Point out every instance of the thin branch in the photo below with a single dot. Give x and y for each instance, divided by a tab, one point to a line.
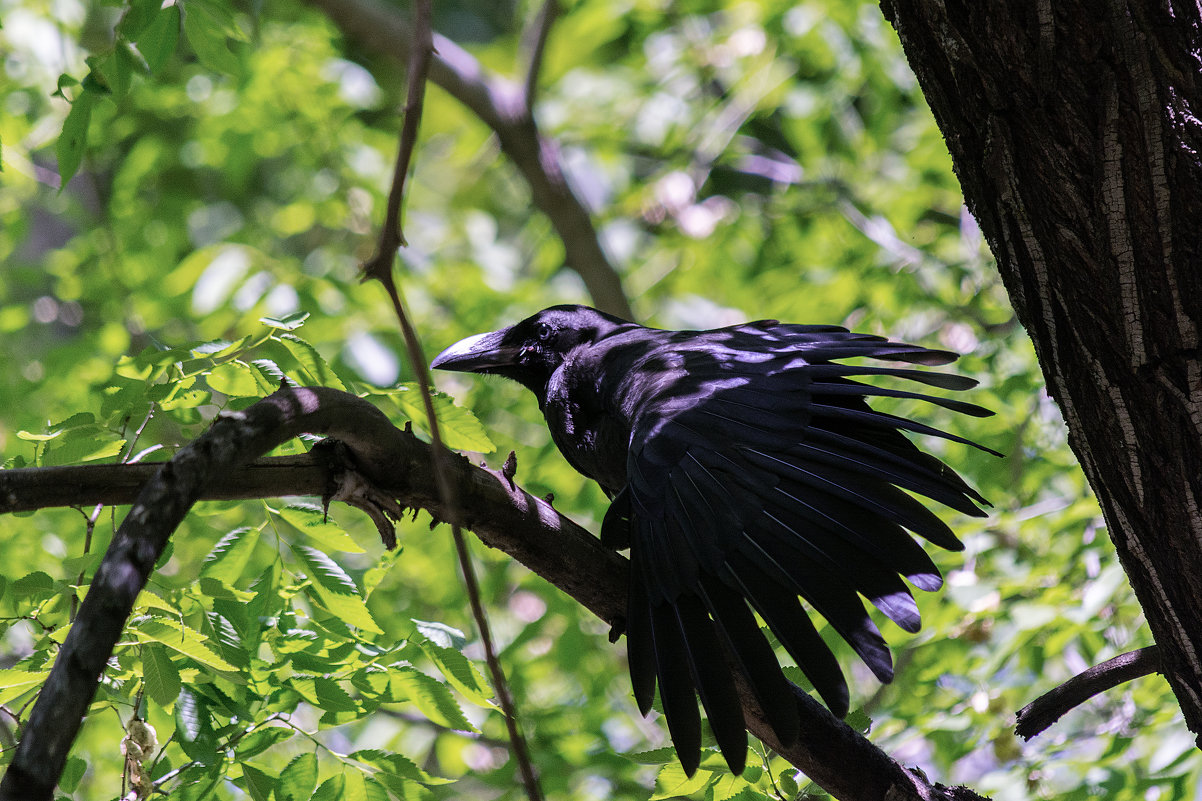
380	268
534	43
498	104
1045	710
392	235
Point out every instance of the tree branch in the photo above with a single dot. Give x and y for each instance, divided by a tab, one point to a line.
534	43
498	103
1045	710
503	515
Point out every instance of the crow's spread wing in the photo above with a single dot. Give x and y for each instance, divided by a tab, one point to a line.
758	471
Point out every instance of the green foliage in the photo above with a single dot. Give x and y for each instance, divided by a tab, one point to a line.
223	167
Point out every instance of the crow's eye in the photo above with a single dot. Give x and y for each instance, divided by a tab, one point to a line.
543	332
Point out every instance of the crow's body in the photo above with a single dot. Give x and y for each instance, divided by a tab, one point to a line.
745	467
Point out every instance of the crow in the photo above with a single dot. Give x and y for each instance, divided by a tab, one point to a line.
746	471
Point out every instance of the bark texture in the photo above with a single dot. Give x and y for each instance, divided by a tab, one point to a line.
1074	128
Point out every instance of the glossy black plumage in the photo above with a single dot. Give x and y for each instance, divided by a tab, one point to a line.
745	468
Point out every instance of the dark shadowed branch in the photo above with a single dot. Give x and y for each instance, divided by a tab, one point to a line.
1048	708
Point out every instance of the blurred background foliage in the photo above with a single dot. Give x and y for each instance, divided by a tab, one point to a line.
742	160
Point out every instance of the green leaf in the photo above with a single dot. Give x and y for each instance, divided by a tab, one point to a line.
298	779
326	572
461	673
74	137
86	444
671	782
317	371
358	786
160	674
335	590
269	372
260	740
656	756
185	399
289	322
332	789
220	590
15	682
34	585
235	380
310	520
323	693
459	428
29	436
431	697
138	14
194	727
157	43
229	556
858	720
180	638
207	27
441	634
72	772
259	783
395	765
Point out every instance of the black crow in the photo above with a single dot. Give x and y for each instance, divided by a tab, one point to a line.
745	470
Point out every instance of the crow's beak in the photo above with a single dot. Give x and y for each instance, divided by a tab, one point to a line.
482	353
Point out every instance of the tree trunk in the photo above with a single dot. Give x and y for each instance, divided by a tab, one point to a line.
1075	131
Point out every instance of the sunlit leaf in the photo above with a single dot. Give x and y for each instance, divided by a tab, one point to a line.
160	674
459	427
335	590
322	530
317	371
259	784
229	556
180	638
431	697
299	779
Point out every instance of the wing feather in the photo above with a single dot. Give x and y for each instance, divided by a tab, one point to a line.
758	475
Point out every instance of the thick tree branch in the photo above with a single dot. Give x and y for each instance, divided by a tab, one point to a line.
499	104
503	515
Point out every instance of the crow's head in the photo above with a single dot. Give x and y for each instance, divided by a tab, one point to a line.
530	351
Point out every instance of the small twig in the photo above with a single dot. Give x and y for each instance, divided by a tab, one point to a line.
1045	710
391	234
380	268
534	43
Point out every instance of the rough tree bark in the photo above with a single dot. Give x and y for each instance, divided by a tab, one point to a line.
1074	128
